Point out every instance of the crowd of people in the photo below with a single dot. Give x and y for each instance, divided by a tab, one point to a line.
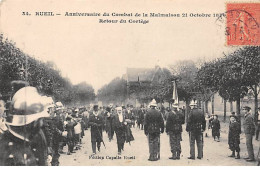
35	129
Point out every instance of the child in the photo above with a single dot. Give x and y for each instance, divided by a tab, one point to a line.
234	137
215	128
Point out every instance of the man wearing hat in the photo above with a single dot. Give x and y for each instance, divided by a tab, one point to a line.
153	126
174	129
257	123
96	123
196	125
249	129
24	143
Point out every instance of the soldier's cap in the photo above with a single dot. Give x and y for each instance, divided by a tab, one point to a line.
247	108
153	103
59	104
27	106
193	103
95	106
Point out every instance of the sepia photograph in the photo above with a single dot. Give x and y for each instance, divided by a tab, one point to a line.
129	83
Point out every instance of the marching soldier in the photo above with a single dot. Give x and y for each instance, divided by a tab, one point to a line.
249	129
153	126
96	123
195	126
71	123
58	126
24	142
174	130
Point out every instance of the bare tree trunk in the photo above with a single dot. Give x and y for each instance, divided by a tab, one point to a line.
225	110
231	106
238	111
212	104
207	106
203	107
256	102
187	111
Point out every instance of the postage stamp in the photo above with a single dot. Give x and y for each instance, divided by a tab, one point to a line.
242	24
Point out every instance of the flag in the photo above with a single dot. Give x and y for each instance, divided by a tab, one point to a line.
175	94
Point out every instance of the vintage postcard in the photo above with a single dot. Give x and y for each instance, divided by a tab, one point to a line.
129	83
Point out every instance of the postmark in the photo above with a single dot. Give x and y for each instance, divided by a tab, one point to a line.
242	24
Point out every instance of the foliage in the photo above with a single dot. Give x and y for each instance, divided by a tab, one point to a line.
45	76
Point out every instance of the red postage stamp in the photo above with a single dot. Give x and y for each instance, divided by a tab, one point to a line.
242	27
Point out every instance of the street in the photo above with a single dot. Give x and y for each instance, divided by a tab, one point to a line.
136	154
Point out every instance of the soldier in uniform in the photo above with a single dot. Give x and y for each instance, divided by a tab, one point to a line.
71	123
174	130
153	126
58	126
24	142
196	124
96	123
249	129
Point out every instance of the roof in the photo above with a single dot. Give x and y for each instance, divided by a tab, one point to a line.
142	74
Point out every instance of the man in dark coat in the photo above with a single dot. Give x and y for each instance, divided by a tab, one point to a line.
140	119
234	137
57	136
174	129
119	124
153	126
215	125
196	124
249	129
108	123
96	123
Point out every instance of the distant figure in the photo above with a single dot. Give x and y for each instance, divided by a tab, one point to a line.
234	137
215	128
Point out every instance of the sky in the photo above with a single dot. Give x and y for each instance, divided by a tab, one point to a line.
86	50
